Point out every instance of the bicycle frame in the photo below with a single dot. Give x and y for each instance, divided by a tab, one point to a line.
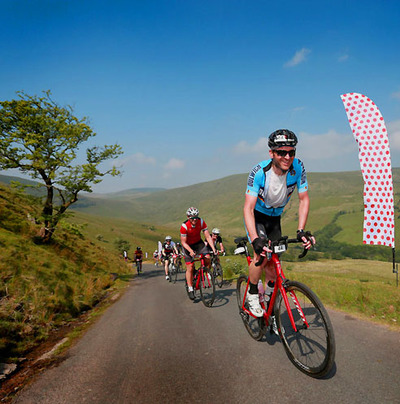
279	285
196	278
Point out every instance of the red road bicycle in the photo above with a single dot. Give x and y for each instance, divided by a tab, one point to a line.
303	323
203	281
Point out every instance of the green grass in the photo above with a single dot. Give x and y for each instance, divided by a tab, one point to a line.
364	288
44	286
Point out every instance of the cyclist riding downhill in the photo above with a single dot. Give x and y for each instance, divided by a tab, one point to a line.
269	188
193	244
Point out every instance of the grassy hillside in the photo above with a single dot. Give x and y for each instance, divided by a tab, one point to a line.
44	286
336	200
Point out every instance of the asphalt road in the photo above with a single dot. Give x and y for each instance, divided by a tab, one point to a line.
155	345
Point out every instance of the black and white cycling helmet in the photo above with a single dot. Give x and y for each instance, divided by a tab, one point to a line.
192	212
168	238
215	230
280	138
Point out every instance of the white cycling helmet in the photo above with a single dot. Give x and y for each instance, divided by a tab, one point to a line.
168	238
192	212
215	230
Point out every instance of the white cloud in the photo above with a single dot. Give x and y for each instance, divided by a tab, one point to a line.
396	95
343	58
174	164
136	159
243	147
298	109
326	145
299	57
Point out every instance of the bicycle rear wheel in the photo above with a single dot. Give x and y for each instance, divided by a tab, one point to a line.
207	287
312	348
218	275
254	326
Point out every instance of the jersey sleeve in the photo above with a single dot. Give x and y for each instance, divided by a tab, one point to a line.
203	225
183	229
302	184
254	180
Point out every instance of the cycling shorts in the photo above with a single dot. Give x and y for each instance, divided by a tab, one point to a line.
167	255
268	226
198	248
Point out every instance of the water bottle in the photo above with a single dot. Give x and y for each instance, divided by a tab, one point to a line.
268	291
261	291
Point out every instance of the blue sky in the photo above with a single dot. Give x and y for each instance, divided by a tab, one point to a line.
190	89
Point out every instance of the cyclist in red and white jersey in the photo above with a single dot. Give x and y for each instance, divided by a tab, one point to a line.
193	244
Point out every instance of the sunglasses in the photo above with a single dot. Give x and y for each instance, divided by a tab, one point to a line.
194	217
283	153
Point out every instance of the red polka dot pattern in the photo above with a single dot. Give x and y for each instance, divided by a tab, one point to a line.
369	130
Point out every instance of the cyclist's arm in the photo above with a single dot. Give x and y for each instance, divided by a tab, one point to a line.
248	213
304	206
209	240
185	245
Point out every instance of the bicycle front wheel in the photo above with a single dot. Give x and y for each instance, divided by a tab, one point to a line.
174	273
207	287
254	326
312	347
219	275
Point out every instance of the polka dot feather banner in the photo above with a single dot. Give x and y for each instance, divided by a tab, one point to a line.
370	133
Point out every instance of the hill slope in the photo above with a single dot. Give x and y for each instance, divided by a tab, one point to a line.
42	286
221	203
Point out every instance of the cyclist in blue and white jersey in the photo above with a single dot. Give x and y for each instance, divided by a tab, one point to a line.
269	188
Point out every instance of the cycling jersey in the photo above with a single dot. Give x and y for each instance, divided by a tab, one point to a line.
193	233
259	181
138	254
168	248
217	240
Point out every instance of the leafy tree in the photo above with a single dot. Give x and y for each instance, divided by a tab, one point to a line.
42	139
122	245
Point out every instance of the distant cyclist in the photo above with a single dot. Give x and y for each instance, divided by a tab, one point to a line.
156	256
217	239
193	244
138	258
168	248
269	188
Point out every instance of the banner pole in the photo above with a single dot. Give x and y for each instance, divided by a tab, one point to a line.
395	267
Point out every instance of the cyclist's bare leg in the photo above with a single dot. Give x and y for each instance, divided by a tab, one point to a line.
189	273
255	272
270	274
166	262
